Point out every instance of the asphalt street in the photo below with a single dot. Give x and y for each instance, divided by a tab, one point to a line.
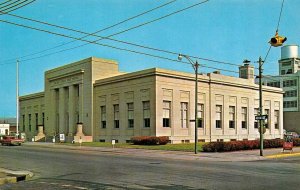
76	169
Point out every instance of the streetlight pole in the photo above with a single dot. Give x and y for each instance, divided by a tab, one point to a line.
261	135
195	66
17	98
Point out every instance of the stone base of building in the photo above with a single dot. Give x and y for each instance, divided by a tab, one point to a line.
83	139
40	136
80	137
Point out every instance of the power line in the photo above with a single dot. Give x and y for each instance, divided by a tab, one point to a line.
119	41
143	24
7	1
15	5
276	30
280	15
101	30
110	46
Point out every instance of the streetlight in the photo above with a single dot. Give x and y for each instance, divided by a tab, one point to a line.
17	98
195	66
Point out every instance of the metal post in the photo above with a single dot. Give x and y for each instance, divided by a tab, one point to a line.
196	65
260	107
17	98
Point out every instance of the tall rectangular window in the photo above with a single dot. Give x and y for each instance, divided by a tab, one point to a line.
276	119
43	119
184	114
200	115
29	122
244	118
103	116
116	116
23	122
218	116
256	110
267	112
166	113
130	115
231	117
146	113
36	121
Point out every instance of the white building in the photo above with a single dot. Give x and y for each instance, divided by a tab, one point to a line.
92	100
4	129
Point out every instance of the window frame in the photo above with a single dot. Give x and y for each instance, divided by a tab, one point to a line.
130	113
200	116
232	117
116	116
146	114
167	113
256	113
219	112
244	113
184	114
103	117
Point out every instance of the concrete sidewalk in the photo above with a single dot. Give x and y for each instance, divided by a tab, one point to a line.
9	176
248	155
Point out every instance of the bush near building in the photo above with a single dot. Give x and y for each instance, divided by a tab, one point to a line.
150	140
245	145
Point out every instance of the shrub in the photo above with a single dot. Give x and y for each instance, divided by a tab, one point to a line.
251	144
245	145
150	140
163	140
213	147
273	143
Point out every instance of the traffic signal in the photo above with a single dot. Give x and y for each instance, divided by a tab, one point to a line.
277	40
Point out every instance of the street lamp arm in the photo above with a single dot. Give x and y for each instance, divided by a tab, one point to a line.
194	64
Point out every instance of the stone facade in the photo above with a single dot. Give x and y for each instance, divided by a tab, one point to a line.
153	102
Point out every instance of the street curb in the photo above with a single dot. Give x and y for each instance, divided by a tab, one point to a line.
14	176
283	155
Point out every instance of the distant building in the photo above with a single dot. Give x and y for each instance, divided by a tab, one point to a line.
12	124
288	80
91	100
4	129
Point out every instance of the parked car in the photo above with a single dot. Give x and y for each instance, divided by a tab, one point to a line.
11	140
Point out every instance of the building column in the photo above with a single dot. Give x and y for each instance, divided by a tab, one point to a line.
61	110
52	118
72	112
80	102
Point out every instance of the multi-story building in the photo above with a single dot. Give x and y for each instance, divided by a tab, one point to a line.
288	80
93	96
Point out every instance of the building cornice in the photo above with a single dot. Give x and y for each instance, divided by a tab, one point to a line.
32	96
211	78
64	75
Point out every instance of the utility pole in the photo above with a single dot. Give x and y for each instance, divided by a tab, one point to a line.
261	137
195	66
17	98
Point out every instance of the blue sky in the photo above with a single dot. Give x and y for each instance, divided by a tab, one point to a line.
223	30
